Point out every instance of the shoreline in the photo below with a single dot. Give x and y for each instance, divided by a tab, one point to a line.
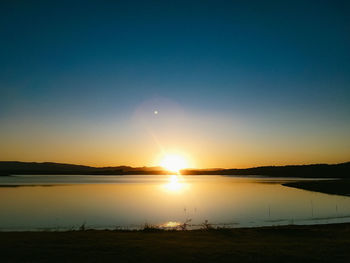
292	243
333	187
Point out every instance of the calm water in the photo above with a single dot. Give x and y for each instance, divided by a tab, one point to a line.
65	202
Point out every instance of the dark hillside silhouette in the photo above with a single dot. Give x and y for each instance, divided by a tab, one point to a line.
341	170
8	168
310	171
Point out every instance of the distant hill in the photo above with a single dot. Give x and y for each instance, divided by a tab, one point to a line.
341	170
8	168
309	171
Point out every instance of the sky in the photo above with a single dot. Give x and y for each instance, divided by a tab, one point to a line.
234	83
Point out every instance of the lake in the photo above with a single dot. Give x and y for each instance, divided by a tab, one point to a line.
61	202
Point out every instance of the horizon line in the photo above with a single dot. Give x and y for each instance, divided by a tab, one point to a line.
148	167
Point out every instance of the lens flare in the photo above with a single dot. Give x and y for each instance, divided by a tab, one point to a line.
173	163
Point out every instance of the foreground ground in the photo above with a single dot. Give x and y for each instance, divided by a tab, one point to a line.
323	243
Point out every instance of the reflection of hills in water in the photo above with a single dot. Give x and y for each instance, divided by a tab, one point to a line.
313	171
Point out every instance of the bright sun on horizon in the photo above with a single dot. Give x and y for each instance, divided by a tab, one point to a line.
174	163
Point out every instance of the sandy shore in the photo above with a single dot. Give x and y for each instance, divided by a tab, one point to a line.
320	243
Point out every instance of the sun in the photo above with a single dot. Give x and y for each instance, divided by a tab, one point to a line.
173	163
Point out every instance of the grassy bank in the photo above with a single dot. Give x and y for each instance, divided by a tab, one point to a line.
338	187
322	243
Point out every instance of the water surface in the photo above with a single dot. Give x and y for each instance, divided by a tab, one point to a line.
66	202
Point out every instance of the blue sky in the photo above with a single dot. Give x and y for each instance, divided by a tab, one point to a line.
279	67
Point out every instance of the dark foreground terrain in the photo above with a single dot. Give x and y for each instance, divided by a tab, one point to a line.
337	187
322	243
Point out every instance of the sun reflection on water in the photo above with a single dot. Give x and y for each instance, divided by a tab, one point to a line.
170	225
175	184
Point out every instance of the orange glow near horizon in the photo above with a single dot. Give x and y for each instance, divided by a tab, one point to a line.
144	138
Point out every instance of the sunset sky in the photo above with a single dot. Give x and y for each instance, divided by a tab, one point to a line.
222	83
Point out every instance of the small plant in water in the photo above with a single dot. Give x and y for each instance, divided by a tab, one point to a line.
150	228
185	224
207	226
82	227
